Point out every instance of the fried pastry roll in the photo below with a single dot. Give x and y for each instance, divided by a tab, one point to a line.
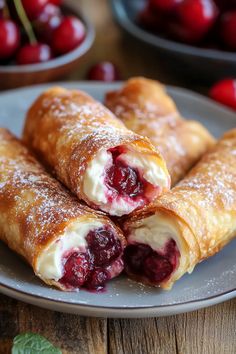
145	108
188	224
67	244
93	153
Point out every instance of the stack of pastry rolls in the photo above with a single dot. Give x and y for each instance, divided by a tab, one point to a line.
115	171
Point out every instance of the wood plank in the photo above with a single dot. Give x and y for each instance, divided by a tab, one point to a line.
207	331
73	334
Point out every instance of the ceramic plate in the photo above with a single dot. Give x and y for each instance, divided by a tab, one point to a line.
211	282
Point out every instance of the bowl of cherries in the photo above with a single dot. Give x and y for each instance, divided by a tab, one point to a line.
40	40
201	34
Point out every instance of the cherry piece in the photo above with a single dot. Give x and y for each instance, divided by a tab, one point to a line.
48	20
97	279
165	5
124	179
34	53
104	246
150	20
135	256
197	15
9	38
228	29
104	71
68	35
142	260
179	32
224	92
33	8
76	270
157	268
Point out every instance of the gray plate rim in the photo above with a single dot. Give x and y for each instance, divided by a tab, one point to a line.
114	311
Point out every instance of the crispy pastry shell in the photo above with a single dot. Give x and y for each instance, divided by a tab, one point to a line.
202	207
145	108
66	129
34	208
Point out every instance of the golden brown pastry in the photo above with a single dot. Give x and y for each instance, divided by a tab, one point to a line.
67	244
145	108
188	224
93	154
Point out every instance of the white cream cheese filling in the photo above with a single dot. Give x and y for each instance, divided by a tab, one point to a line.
49	264
94	181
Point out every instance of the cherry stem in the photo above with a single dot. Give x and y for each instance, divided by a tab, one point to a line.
6	12
25	21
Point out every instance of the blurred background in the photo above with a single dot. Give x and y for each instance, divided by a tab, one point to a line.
189	43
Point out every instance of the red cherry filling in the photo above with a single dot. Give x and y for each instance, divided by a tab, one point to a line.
104	246
97	279
76	269
92	268
122	179
142	260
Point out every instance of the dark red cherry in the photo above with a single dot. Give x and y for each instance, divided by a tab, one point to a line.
124	179
33	8
103	71
165	5
48	20
150	20
97	279
68	35
104	246
157	268
197	16
228	29
135	255
224	92
183	34
34	53
9	38
76	270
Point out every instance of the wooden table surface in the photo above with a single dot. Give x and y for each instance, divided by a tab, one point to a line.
210	331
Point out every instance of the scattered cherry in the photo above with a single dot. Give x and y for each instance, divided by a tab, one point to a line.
33	8
228	29
165	5
104	246
224	92
47	21
9	38
68	35
34	53
197	15
104	71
